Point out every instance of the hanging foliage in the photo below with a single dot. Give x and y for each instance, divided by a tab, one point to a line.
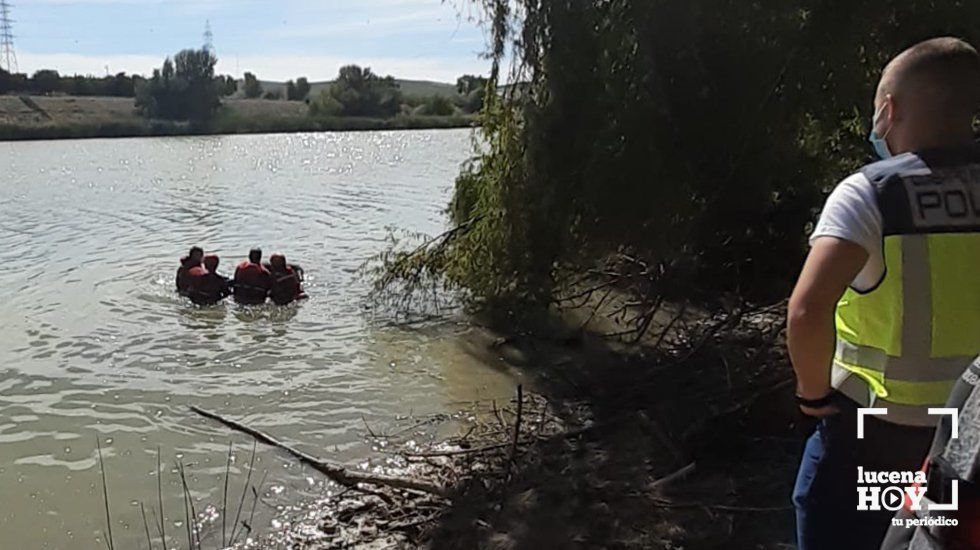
694	137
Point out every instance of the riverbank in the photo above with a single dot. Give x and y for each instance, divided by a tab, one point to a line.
691	448
63	117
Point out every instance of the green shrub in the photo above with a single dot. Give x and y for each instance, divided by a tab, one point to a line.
325	105
437	105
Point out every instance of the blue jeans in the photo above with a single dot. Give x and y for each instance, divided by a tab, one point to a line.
825	495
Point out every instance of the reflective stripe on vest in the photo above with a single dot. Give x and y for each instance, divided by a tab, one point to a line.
908	340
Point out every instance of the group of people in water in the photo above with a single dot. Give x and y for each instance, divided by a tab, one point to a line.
253	282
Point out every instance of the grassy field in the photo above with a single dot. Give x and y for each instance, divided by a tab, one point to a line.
38	117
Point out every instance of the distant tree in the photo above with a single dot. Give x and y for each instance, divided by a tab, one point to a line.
297	91
227	85
79	85
437	105
16	82
168	72
46	81
324	105
473	90
10	82
468	83
273	95
182	89
252	87
302	88
120	86
473	102
196	68
362	93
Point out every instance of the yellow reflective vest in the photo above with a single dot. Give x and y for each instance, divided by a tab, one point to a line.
903	344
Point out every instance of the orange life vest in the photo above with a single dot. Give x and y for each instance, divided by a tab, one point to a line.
252	283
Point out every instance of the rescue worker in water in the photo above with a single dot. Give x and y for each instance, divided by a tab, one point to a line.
286	281
207	286
188	262
199	280
252	281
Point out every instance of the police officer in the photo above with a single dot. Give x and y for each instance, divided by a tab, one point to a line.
886	312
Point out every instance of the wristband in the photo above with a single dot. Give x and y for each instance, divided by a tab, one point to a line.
819	403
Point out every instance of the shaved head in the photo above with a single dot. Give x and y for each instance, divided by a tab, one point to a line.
941	75
928	96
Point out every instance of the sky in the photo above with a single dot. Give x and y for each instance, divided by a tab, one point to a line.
274	39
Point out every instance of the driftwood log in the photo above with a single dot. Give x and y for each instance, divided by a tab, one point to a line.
336	472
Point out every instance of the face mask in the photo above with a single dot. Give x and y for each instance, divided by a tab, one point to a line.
878	142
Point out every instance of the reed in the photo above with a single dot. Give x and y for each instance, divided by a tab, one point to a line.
146	527
105	496
255	500
190	514
241	501
224	498
163	528
194	531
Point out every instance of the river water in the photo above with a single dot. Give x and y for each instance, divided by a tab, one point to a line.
94	341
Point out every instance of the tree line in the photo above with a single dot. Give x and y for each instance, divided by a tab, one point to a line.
49	81
186	87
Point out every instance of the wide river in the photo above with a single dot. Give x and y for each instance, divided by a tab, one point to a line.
94	342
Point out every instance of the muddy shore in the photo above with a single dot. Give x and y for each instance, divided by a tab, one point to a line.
691	446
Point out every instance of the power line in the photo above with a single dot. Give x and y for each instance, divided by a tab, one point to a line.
8	58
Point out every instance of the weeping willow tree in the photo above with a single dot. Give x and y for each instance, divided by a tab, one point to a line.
691	141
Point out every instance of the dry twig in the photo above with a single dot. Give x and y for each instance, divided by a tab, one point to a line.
335	472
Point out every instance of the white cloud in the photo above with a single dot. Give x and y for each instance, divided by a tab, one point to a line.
266	67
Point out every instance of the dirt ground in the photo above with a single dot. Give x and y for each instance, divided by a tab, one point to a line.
718	426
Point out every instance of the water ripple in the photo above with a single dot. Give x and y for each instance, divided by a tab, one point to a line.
96	342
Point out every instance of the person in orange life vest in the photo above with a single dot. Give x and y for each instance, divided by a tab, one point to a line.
252	280
191	260
207	286
286	286
295	267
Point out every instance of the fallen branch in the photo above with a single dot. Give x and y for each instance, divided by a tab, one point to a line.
517	423
719	507
744	403
337	473
670	478
517	429
460	452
